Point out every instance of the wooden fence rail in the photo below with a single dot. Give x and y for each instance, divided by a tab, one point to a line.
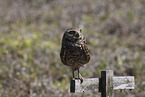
106	84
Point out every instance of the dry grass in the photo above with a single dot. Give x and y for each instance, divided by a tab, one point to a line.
30	38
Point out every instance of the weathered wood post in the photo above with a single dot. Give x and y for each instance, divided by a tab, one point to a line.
106	84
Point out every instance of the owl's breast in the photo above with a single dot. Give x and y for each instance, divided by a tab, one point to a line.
76	56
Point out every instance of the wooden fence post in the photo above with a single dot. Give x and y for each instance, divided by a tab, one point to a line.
106	85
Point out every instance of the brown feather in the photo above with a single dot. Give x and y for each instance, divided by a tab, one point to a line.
74	50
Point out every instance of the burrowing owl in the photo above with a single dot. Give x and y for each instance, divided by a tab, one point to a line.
74	50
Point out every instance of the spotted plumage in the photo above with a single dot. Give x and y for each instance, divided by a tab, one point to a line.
74	51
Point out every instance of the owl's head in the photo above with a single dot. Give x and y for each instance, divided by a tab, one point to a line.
73	35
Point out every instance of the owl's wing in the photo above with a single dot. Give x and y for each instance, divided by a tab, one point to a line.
63	55
86	50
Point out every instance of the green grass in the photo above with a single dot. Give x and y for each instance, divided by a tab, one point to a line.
30	42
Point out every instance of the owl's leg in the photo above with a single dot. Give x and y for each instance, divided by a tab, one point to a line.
80	77
73	73
79	73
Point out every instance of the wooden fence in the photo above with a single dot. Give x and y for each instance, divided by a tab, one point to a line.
106	84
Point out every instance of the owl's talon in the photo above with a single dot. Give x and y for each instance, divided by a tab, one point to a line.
81	79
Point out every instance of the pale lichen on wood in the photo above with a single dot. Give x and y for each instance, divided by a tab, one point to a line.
123	82
88	85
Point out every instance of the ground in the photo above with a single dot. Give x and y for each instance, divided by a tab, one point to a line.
30	42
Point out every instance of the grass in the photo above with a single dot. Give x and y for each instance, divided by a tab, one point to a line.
30	42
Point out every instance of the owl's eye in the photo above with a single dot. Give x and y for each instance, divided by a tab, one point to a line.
72	32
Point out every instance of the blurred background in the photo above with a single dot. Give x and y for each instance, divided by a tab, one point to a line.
30	42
